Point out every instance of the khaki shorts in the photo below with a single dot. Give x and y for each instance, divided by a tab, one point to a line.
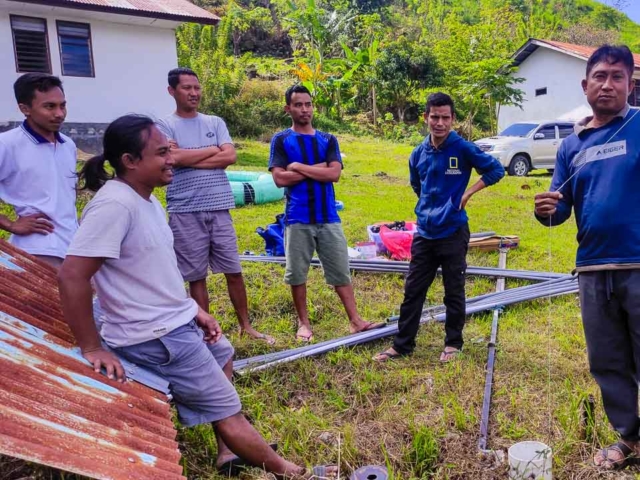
301	240
202	240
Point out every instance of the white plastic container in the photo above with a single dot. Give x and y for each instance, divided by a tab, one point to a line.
530	461
367	250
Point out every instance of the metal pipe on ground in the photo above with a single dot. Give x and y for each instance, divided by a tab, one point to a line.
525	293
553	288
266	361
393	266
529	292
482	234
491	357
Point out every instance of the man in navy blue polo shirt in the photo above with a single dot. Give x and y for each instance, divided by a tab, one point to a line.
596	176
439	171
38	171
307	162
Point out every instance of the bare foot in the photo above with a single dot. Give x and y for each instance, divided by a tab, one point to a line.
253	333
222	459
304	334
229	464
363	326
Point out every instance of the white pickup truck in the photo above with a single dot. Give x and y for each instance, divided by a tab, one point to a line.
527	146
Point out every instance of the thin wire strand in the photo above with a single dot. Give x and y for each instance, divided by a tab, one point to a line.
604	144
549	332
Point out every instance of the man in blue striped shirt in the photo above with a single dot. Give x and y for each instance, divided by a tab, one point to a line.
308	162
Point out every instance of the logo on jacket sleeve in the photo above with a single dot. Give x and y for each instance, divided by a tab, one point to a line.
453	167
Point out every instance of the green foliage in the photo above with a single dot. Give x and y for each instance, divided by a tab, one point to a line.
362	59
257	109
402	68
316	31
424	451
242	19
206	51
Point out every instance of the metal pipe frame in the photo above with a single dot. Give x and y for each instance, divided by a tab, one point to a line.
491	358
393	266
561	286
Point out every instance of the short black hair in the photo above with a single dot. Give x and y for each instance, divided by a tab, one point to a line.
612	54
295	89
439	99
174	75
25	87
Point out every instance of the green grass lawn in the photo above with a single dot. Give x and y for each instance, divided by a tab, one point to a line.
416	416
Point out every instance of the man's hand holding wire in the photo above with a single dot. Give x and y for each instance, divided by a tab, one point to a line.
547	203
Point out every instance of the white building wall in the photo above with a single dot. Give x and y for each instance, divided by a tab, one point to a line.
562	75
131	62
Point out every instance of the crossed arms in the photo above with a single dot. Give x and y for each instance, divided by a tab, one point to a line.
297	172
204	158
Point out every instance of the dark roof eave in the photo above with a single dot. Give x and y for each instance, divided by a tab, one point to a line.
124	11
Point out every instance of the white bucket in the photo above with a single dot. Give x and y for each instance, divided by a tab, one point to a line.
530	461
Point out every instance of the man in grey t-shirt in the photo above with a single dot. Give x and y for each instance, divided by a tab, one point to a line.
199	198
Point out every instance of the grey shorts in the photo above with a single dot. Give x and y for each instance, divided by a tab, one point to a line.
301	240
193	368
55	262
202	240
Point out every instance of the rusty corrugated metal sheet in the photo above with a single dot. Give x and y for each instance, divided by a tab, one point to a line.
180	10
54	409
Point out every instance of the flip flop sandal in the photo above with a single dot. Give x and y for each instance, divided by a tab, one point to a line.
304	338
628	454
454	354
235	465
266	339
387	356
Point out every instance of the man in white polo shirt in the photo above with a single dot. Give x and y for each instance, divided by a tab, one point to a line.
38	171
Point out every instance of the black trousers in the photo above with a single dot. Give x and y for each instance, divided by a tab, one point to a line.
450	253
610	304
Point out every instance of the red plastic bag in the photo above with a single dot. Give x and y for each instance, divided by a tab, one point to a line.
398	242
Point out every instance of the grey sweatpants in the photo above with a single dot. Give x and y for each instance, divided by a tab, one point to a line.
610	304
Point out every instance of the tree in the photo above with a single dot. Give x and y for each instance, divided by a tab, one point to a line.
362	63
538	20
402	68
489	83
588	34
316	30
475	60
242	19
206	51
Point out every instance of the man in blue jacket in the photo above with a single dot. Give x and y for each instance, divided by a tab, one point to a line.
440	169
596	174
